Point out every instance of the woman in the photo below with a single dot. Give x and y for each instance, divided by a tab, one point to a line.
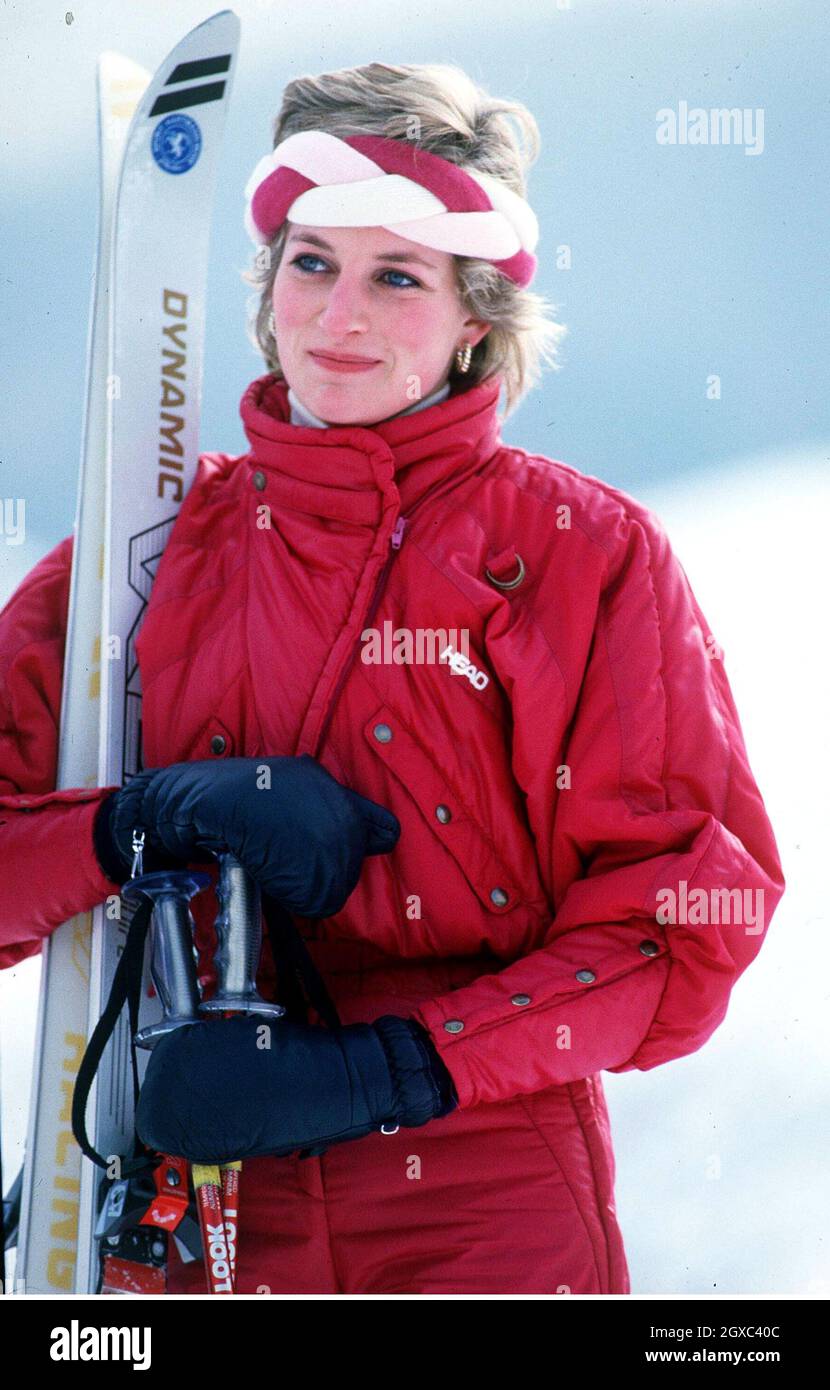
490	843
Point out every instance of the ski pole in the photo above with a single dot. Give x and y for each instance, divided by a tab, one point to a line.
207	1184
173	971
230	1174
238	930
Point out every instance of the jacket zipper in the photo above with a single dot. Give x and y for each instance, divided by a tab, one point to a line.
395	542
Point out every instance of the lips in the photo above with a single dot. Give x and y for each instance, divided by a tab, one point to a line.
343	364
342	356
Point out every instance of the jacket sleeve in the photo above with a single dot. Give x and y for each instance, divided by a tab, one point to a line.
49	868
659	857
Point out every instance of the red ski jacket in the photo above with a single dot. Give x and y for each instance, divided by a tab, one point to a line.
585	866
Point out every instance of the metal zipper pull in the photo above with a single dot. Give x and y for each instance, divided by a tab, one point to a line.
138	852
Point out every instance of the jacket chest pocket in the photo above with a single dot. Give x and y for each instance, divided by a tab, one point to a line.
214	741
181	739
446	812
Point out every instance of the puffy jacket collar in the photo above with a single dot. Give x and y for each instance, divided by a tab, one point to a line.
350	471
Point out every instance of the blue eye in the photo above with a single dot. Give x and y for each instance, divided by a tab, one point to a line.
306	256
309	256
405	276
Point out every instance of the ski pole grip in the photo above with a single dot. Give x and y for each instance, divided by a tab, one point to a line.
172	961
238	929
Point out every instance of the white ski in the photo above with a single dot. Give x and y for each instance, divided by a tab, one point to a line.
144	399
52	1171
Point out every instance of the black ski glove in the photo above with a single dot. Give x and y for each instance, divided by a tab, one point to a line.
303	838
222	1089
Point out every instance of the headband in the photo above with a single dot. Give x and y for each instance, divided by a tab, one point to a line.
368	180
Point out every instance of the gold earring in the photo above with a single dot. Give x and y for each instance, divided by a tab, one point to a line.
462	357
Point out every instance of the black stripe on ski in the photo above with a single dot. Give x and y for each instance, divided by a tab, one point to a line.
201	67
187	96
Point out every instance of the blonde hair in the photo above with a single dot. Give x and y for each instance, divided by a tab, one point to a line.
440	106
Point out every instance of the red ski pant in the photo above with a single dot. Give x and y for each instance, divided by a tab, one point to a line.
507	1197
499	1198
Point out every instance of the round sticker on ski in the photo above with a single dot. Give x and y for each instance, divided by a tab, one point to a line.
177	143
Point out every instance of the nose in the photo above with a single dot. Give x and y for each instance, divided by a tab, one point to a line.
344	310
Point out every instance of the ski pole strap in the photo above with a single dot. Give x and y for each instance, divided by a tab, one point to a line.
125	988
293	965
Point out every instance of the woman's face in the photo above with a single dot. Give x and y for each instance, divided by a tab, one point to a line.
368	293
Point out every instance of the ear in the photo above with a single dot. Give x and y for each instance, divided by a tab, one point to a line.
475	330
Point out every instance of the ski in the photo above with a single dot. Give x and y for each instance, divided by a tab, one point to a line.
48	1233
139	458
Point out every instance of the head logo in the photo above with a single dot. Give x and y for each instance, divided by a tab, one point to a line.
460	665
177	143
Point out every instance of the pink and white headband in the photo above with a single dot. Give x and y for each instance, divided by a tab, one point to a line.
370	181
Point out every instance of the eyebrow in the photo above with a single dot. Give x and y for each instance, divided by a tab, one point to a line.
396	256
